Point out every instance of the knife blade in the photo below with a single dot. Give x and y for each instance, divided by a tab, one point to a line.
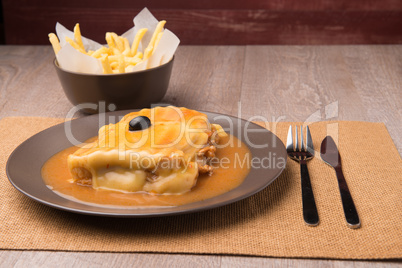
330	155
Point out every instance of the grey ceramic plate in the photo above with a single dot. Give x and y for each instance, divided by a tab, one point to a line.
25	163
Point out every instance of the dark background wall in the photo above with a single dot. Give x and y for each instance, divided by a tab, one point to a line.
2	41
218	22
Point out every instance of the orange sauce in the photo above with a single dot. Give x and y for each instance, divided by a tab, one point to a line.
226	176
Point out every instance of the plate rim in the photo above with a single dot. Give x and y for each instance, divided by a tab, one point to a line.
121	214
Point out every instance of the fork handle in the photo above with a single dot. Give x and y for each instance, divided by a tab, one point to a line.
310	213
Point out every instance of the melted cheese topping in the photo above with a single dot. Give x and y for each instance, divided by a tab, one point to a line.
160	159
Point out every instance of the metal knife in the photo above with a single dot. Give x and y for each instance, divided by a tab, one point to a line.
330	155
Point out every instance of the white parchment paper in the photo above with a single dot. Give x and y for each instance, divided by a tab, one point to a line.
75	61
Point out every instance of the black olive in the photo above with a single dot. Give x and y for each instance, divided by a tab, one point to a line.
139	123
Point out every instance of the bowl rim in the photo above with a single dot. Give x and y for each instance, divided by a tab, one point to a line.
56	64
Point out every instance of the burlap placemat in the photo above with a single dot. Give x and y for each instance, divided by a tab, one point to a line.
269	223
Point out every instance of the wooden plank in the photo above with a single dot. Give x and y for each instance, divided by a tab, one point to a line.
104	259
29	84
377	71
287	5
214	27
275	77
207	78
93	259
298	83
239	262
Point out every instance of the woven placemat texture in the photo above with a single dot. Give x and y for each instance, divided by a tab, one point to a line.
269	223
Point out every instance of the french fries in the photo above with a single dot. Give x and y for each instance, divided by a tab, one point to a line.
137	39
106	65
118	55
55	43
75	45
158	29
77	36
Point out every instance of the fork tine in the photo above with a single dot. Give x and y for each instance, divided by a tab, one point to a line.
309	142
297	140
303	148
289	141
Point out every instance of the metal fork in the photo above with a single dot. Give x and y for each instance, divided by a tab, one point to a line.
301	154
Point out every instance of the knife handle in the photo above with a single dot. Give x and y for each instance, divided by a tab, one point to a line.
352	218
310	213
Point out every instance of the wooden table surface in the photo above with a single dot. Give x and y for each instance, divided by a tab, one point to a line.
272	83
